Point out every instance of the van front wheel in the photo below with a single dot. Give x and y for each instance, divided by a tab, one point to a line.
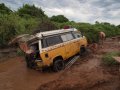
58	65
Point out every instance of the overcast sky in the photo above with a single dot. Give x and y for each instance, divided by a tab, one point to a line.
76	10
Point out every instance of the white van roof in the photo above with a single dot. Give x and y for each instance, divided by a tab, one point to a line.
27	37
46	33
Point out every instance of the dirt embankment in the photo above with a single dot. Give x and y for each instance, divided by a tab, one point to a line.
85	74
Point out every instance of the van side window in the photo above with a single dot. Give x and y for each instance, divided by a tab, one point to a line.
67	37
77	35
53	40
64	38
44	44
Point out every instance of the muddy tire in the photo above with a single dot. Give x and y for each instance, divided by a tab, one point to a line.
29	64
58	65
82	51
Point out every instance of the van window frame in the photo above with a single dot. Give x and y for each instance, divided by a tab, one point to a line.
77	33
68	33
46	43
43	43
33	44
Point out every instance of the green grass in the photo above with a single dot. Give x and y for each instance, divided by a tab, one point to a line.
108	59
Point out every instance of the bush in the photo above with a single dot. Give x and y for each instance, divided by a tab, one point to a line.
59	18
91	31
29	18
7	29
4	9
28	11
45	26
108	59
12	25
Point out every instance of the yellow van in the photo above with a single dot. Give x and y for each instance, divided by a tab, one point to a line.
51	48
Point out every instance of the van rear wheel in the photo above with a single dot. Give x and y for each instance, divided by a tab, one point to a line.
82	51
58	65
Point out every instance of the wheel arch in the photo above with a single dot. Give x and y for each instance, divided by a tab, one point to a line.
82	47
58	57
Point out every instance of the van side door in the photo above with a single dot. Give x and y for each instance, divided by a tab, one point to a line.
54	47
68	44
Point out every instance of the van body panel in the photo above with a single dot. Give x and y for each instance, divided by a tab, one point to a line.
52	52
70	48
77	43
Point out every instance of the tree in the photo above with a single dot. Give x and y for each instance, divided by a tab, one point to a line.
32	11
59	18
118	26
45	26
4	9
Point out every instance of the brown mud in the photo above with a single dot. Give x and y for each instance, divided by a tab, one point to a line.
85	74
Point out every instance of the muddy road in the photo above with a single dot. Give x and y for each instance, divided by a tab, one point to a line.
85	74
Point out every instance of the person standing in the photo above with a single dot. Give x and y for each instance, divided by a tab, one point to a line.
102	37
